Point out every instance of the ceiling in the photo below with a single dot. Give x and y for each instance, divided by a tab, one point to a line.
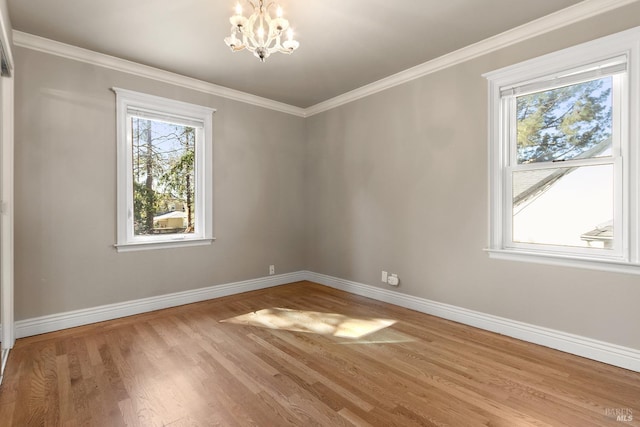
344	44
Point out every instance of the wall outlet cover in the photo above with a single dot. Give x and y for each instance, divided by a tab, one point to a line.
393	280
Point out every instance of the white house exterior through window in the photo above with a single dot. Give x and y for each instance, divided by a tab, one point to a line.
563	143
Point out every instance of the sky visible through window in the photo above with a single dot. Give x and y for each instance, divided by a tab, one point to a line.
563	123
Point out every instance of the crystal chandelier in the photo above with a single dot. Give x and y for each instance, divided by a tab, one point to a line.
260	33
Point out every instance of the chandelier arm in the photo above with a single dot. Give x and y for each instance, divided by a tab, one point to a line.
250	33
250	23
270	41
244	41
277	44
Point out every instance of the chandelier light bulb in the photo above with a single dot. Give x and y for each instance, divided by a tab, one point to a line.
290	44
261	32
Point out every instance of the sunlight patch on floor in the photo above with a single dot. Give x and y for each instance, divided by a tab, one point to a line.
337	325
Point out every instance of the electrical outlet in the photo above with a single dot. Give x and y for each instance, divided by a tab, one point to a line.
384	276
393	280
272	270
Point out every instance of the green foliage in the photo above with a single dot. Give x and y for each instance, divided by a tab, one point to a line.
179	173
144	200
563	123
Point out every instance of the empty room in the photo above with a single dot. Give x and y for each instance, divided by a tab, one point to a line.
320	212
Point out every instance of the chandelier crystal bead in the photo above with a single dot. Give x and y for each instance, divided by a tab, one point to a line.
260	33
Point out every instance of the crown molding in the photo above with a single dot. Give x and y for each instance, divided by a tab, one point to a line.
562	18
53	47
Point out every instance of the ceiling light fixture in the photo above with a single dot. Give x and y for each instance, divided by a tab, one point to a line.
260	33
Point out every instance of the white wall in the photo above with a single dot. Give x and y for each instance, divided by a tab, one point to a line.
66	192
398	181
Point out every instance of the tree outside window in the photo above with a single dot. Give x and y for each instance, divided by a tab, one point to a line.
163	177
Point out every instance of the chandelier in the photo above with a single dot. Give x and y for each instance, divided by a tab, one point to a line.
260	33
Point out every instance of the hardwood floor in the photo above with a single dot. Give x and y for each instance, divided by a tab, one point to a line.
304	354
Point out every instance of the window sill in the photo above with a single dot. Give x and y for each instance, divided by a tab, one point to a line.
602	264
162	244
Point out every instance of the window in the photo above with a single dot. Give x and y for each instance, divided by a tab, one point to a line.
563	139
164	172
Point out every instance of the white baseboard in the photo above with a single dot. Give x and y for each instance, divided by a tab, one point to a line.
611	354
70	319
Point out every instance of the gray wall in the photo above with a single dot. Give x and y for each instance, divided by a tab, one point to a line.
395	181
65	187
398	181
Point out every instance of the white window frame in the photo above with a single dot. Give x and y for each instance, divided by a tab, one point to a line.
625	256
130	103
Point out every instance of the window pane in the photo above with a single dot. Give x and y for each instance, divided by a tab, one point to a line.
564	206
163	177
570	122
